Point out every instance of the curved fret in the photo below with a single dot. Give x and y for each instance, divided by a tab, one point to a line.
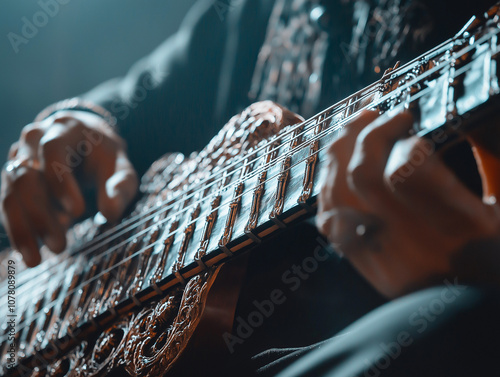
144	258
207	230
47	318
97	296
25	342
270	155
83	293
162	261
234	206
186	238
311	161
123	277
65	300
284	177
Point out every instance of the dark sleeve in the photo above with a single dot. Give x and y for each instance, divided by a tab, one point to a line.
166	101
449	330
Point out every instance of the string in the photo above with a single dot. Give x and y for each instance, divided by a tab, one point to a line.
343	121
156	210
275	162
436	50
135	254
420	78
123	224
147	247
146	230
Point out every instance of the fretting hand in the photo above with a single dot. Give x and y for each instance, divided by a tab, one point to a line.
40	190
397	212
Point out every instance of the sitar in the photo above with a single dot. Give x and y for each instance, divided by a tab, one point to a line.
133	295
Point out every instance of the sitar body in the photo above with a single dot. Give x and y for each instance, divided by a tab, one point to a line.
132	295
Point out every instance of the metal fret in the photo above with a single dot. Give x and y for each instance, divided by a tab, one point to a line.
253	218
144	258
279	201
122	277
47	318
24	344
167	245
207	231
231	218
283	178
98	296
83	294
188	234
311	161
234	207
65	303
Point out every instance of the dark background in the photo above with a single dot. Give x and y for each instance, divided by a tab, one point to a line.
83	44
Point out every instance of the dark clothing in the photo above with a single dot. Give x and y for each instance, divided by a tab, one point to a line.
179	96
444	331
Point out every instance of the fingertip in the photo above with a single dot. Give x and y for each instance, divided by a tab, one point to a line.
118	193
113	208
32	258
56	243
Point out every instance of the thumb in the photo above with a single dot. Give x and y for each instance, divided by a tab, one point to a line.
117	189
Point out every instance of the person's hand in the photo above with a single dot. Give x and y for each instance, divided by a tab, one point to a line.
396	211
40	183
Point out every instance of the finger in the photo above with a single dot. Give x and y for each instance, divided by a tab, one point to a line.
117	186
365	172
40	213
19	230
58	159
13	151
29	142
419	178
351	230
31	135
335	191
